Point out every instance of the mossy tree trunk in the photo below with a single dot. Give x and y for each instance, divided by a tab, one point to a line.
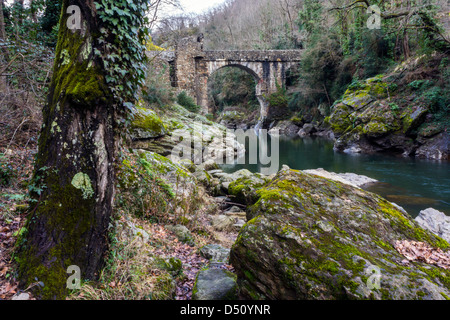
68	223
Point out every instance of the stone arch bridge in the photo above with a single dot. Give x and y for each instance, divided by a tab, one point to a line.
191	66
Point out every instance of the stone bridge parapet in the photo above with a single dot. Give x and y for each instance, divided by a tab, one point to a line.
254	55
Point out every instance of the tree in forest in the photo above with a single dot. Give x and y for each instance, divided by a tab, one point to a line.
251	24
2	23
402	18
309	18
98	67
50	17
3	50
232	87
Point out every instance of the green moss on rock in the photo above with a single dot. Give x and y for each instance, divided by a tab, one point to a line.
339	118
312	238
369	119
147	124
244	189
412	118
357	100
375	129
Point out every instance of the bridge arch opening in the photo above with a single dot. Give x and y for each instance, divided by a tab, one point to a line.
242	67
232	94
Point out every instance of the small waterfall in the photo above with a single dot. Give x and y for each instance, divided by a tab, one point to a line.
259	125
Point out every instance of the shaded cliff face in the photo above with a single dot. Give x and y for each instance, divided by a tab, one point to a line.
312	238
377	115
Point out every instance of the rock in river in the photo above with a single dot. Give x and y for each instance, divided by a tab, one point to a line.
347	178
313	238
435	221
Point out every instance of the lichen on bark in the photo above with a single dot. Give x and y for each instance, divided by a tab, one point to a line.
82	182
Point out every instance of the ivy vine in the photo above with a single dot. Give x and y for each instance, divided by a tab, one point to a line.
122	39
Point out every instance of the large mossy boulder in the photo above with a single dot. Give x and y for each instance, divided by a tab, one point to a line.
162	132
364	123
366	120
339	119
413	117
357	100
373	116
312	238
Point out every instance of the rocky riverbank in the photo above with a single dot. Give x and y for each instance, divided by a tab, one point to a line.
399	113
163	131
368	119
362	124
296	234
317	235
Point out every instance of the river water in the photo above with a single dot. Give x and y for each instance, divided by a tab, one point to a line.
414	184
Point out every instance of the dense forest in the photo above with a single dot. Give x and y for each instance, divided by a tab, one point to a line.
93	205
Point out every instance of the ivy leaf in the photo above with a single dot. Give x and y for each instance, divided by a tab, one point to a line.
110	79
129	105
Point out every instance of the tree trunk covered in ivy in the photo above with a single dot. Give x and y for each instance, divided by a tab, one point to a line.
73	183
